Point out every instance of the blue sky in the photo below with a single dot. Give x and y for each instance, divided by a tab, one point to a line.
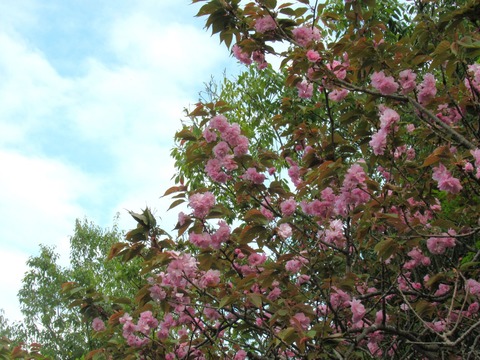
91	93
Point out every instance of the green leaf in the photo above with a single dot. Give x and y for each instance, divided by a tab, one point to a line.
176	203
227	300
185	134
386	248
255	216
288	335
424	308
175	189
442	47
271	4
256	299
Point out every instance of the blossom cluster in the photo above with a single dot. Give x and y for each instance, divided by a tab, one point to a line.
137	335
445	180
388	119
256	56
232	143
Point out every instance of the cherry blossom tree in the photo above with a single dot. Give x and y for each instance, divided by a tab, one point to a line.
348	227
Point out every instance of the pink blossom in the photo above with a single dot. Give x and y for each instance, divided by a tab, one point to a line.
288	207
427	89
410	128
125	318
259	57
241	56
295	264
472	82
228	163
210	278
231	134
240	355
274	294
334	234
406	79
438	245
313	56
339	299
410	154
438	326
202	240
241	147
219	122
182	218
201	203
284	231
182	351
214	170
449	115
294	172
209	135
300	320
182	266
135	341
442	290
221	235
265	24
221	150
252	175
338	94
157	293
353	191
473	308
379	315
445	180
386	85
476	154
374	349
303	279
266	212
265	209
379	142
339	69
256	259
305	35
358	310
417	258
355	176
468	167
473	287
146	322
98	324
305	89
388	117
168	321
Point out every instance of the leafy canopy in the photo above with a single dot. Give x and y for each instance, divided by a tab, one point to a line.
333	204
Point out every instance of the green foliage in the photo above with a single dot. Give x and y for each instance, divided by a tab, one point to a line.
49	319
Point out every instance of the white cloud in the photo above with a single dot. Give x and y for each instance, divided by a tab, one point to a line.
29	91
129	109
13	267
39	200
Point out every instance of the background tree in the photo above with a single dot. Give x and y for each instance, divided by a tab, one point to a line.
48	318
